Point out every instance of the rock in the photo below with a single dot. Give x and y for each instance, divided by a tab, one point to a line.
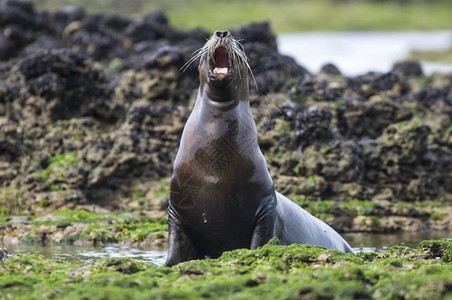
92	108
370	118
389	84
408	69
3	254
308	125
69	84
330	69
57	21
95	38
143	147
12	39
257	32
17	12
159	78
151	27
272	71
317	89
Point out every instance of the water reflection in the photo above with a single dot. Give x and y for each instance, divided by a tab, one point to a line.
367	242
82	254
357	53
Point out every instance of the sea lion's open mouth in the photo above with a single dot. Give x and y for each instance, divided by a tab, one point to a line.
222	59
221	63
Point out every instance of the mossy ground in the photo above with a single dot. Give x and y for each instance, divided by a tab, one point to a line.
270	272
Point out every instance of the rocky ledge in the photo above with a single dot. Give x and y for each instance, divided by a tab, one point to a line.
92	108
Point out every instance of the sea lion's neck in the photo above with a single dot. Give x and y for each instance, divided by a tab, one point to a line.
221	120
210	99
215	117
211	124
234	92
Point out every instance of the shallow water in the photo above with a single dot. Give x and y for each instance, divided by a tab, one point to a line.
356	53
80	254
367	242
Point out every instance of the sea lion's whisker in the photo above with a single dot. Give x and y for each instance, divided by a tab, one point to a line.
197	54
254	79
234	59
244	59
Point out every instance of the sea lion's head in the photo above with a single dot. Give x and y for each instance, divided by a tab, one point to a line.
223	68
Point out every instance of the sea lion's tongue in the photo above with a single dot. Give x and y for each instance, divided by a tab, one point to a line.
218	70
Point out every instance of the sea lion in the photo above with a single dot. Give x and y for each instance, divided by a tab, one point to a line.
222	195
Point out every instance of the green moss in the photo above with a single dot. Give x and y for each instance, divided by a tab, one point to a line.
438	248
278	152
99	228
296	170
44	202
403	123
12	199
365	208
4	216
311	180
438	217
69	239
322	209
55	187
80	216
350	207
58	165
374	222
114	66
162	192
136	192
269	272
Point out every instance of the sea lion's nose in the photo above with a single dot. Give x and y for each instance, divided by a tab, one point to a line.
222	33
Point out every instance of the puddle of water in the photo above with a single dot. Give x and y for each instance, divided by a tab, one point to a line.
367	242
150	256
356	53
82	254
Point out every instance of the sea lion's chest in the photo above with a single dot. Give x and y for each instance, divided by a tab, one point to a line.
219	170
219	174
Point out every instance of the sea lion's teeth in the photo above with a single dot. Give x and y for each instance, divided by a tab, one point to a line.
220	70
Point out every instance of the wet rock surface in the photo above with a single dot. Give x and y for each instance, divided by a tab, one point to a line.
92	108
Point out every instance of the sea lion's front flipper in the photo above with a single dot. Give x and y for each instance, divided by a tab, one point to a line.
181	247
264	229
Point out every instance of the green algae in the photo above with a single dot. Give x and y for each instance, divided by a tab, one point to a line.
270	272
12	198
96	228
58	164
351	207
